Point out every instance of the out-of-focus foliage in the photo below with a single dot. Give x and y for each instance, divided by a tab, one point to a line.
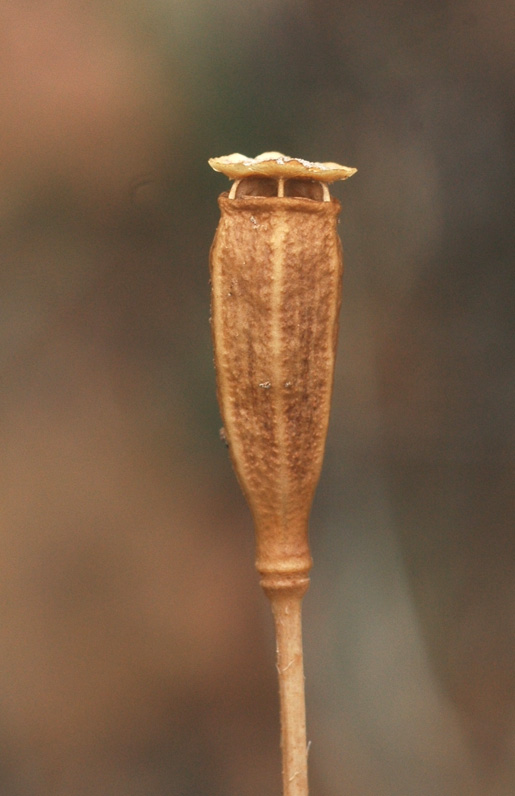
136	654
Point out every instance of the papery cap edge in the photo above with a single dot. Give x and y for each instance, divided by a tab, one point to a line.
275	164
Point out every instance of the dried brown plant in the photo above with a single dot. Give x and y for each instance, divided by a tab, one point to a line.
276	269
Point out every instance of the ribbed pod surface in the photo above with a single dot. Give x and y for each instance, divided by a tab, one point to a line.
276	269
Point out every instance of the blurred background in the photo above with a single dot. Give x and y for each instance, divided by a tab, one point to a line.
136	650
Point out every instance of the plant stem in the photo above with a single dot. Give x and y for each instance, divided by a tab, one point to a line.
286	607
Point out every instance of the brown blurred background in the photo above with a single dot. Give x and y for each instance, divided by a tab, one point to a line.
136	650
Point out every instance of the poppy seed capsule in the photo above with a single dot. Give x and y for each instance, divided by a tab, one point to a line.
276	270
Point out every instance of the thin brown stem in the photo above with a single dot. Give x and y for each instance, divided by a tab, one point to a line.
286	608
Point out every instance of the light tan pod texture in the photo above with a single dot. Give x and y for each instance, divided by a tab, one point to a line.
276	269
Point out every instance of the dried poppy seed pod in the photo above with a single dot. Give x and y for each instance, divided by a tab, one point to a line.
276	270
